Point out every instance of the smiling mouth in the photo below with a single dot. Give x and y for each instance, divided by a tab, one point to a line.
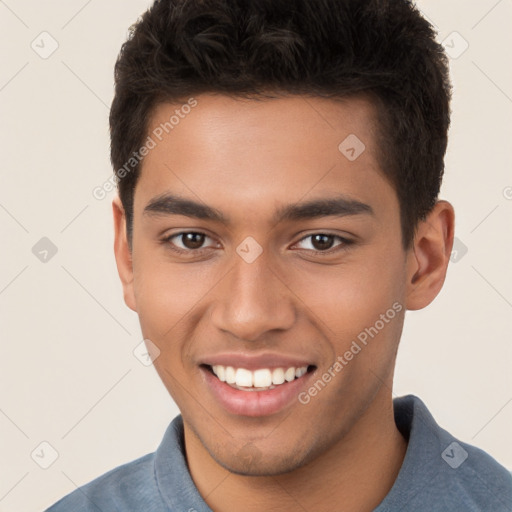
263	379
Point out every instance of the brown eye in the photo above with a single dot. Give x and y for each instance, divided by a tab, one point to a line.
322	242
192	240
188	242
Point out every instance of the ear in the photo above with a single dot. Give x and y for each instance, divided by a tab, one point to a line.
123	253
428	258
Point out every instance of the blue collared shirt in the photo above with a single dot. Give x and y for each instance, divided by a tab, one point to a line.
439	473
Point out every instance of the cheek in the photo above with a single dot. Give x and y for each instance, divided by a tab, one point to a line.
349	300
358	292
168	295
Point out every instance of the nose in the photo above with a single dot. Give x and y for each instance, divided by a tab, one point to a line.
252	299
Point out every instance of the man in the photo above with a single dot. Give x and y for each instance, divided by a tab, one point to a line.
279	165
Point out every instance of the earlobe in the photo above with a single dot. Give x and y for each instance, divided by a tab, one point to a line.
428	259
123	253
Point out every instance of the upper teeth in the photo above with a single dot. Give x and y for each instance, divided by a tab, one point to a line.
262	378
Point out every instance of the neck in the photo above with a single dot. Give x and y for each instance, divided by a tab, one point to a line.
355	474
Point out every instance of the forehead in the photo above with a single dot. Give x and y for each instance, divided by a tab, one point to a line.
260	153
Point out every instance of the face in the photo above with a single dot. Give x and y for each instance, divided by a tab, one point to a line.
264	252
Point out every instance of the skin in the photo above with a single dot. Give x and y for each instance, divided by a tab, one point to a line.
246	158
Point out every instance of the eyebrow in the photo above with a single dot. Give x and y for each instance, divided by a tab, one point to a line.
340	206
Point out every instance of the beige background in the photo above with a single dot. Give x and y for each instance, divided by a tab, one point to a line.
68	373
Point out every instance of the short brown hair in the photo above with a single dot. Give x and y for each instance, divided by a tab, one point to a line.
326	48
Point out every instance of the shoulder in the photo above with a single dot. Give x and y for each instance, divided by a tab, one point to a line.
131	486
156	482
476	478
443	472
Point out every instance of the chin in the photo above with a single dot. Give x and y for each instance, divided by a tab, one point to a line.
250	461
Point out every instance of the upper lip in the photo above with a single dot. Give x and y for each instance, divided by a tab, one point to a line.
255	361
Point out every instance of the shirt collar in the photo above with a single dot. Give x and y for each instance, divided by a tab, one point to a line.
426	442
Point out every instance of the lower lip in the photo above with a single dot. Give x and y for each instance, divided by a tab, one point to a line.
255	403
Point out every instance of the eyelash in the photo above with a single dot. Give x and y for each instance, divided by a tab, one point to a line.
345	243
